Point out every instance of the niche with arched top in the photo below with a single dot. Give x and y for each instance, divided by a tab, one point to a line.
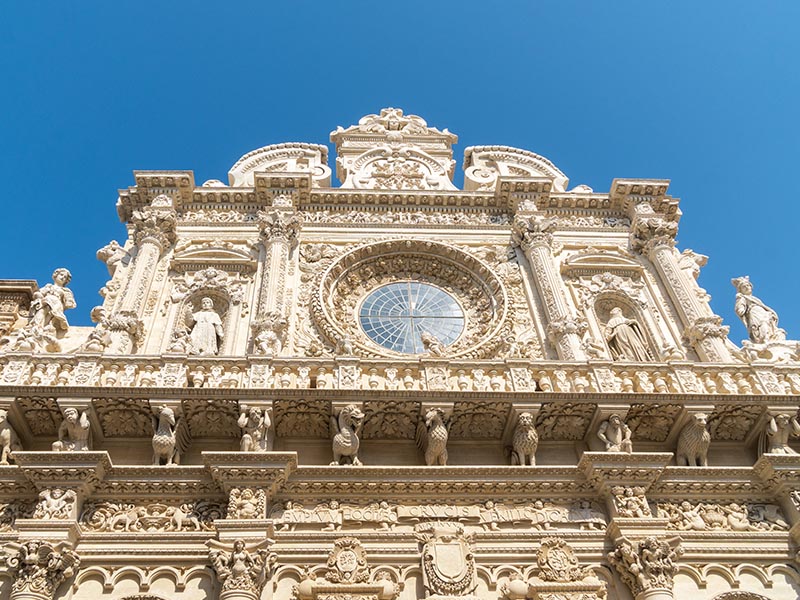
627	333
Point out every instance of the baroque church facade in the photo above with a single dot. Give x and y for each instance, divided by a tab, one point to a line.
395	389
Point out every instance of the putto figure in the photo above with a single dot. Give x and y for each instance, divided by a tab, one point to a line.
255	425
206	328
761	321
625	339
615	434
73	434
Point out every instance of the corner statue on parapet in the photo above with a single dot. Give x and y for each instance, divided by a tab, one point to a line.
345	429
432	434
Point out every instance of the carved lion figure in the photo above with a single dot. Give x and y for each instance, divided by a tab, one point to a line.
9	442
525	441
693	442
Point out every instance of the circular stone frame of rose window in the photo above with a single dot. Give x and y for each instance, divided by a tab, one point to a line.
347	281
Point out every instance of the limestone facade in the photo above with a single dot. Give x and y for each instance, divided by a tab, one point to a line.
395	389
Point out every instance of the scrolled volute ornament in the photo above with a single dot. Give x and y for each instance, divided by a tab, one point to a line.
39	567
280	225
158	225
242	569
651	232
535	230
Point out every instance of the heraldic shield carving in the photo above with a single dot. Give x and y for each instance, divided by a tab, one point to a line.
448	565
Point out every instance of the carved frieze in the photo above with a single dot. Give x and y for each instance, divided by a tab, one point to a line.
207	418
479	420
117	517
128	417
302	418
733	516
390	419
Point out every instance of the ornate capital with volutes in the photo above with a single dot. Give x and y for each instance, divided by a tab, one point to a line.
279	225
535	230
650	232
155	224
39	567
648	564
241	567
706	327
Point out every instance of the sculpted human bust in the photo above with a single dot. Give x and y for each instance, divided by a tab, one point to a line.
206	332
625	339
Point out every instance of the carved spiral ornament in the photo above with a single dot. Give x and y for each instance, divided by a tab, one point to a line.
344	286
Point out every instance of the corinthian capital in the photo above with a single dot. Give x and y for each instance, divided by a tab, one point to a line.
156	225
647	564
706	327
650	232
279	225
535	230
39	567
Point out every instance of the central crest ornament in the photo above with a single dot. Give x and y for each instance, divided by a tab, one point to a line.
448	564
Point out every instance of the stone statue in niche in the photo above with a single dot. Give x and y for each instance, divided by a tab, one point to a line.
345	429
615	434
255	425
625	338
9	441
761	321
73	434
206	328
779	429
432	434
524	441
48	323
693	442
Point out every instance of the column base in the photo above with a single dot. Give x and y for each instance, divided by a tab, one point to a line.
656	594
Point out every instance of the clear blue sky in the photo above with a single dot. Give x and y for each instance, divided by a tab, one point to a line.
703	93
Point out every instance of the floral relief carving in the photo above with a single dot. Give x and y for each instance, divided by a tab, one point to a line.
484	420
564	421
128	417
390	419
217	418
55	503
652	422
302	418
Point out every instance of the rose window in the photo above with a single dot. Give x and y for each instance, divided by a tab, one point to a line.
397	315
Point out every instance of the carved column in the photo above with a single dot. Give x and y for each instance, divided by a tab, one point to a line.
279	229
534	235
39	567
154	230
653	235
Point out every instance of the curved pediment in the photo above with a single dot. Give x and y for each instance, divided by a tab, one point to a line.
283	158
484	164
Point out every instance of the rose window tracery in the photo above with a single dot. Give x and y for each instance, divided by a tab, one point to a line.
402	297
399	316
